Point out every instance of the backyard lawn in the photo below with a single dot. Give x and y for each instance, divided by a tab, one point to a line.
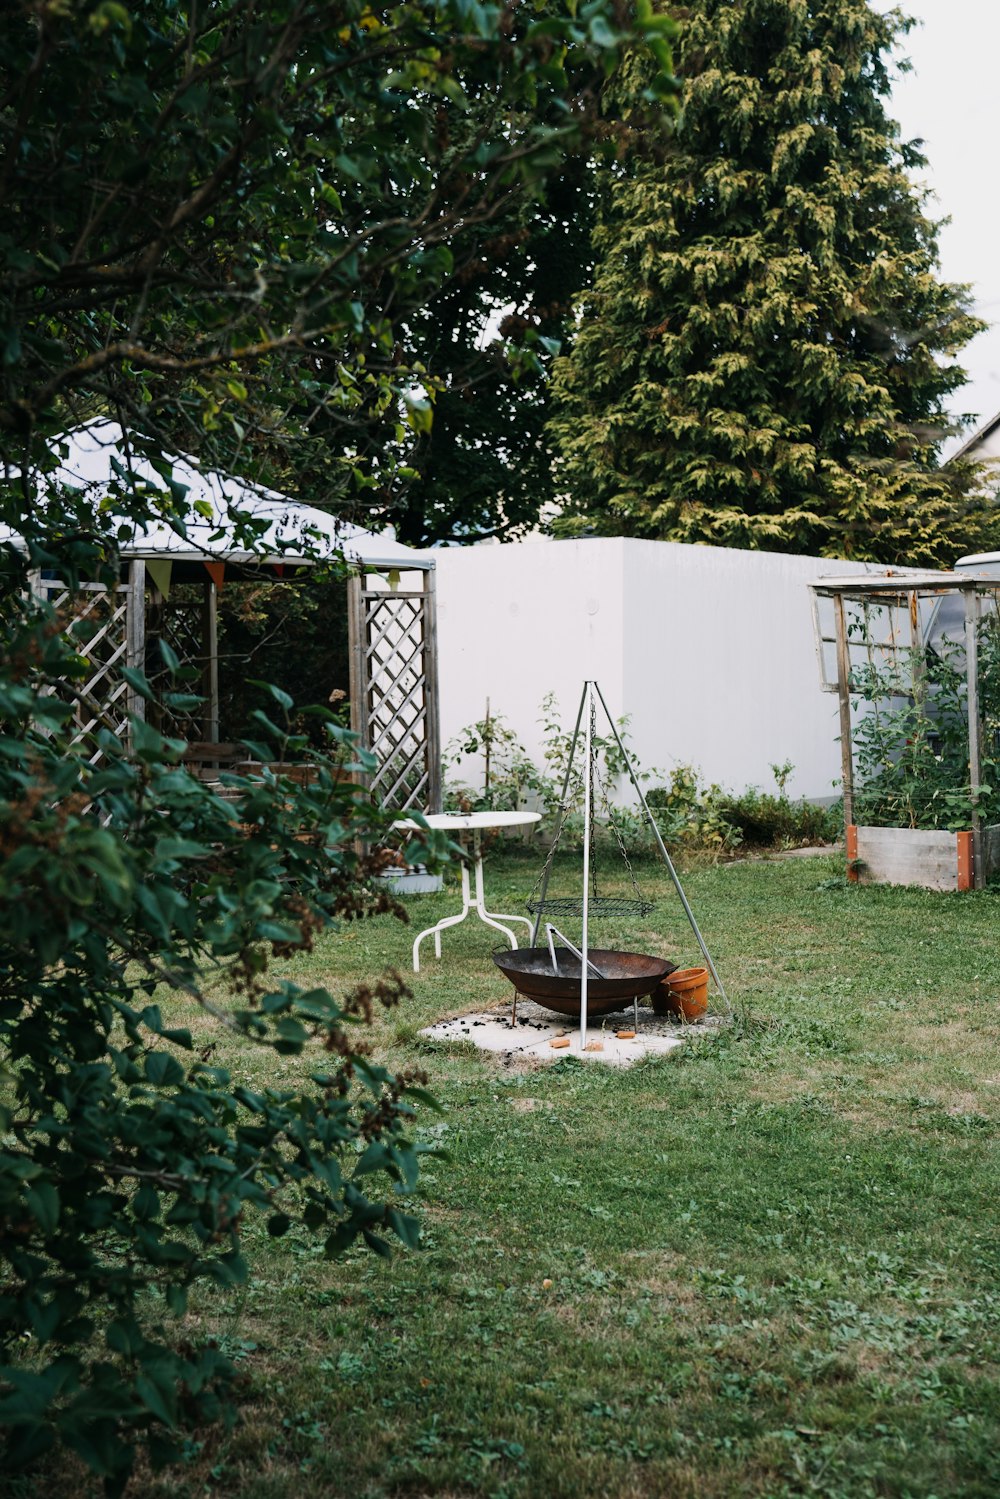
767	1265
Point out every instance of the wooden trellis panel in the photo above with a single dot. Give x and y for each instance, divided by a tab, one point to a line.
394	699
106	625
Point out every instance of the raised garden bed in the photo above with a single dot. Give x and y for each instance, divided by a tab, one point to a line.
934	858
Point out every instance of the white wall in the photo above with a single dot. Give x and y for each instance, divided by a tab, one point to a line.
709	649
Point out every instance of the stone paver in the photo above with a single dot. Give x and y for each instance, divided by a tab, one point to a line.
536	1028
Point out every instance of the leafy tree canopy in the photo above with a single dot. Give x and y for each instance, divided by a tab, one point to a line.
764	354
485	465
220	222
212	218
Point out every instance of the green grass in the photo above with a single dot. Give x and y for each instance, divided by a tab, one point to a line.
767	1265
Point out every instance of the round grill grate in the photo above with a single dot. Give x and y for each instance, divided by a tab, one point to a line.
597	906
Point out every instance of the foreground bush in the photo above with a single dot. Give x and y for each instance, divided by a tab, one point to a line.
128	1162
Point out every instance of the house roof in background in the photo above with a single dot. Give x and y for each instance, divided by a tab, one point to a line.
979	436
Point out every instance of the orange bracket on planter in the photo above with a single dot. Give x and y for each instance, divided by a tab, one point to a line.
851	842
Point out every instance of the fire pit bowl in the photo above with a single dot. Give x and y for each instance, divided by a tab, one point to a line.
629	975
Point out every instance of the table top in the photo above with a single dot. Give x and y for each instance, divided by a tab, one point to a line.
457	822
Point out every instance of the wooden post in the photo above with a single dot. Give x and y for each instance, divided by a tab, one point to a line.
975	728
844	696
851	850
135	633
210	660
918	663
153	662
432	713
358	680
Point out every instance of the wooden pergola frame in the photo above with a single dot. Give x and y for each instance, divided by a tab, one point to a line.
392	660
238	532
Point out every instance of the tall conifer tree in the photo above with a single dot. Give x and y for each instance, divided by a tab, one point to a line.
762	360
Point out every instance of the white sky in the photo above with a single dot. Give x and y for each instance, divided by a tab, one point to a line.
951	100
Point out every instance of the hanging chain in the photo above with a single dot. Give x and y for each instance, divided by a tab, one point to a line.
615	829
596	783
563	806
546	869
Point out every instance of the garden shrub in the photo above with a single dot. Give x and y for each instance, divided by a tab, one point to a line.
686	813
765	820
760	819
225	227
512	780
129	1161
689	813
912	744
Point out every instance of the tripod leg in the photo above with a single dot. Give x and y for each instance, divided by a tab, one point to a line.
663	850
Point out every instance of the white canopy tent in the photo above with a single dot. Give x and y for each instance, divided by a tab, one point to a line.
211	525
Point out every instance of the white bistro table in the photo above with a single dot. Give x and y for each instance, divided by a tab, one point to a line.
474	823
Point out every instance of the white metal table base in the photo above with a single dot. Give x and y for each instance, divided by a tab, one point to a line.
491	918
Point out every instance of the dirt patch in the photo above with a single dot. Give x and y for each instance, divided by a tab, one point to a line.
656	1282
951	1039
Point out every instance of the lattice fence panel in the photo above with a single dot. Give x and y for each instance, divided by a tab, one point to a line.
398	717
98	620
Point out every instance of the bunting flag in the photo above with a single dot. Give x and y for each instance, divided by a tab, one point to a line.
217	572
279	568
160	571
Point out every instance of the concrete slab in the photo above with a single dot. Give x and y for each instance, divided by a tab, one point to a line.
531	1038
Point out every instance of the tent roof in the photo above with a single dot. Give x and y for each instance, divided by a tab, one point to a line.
98	459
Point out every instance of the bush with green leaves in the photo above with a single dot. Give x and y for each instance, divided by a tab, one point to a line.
128	1162
685	812
512	780
691	813
688	812
911	742
222	225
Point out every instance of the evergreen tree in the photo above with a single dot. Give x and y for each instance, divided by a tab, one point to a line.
758	363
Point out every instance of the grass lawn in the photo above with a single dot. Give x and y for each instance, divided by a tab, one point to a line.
767	1265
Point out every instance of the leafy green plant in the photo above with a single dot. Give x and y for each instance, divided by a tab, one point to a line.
689	813
130	1163
911	741
764	820
511	779
221	224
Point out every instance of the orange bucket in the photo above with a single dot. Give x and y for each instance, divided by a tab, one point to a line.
685	992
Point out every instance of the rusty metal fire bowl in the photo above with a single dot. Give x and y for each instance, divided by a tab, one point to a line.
627	976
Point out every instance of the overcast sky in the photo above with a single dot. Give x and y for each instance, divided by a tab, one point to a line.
951	100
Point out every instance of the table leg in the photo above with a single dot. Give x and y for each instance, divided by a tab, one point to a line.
491	918
481	910
435	931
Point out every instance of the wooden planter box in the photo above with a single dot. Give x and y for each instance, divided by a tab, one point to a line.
918	856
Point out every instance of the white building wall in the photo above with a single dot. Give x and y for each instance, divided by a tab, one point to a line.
516	622
709	649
